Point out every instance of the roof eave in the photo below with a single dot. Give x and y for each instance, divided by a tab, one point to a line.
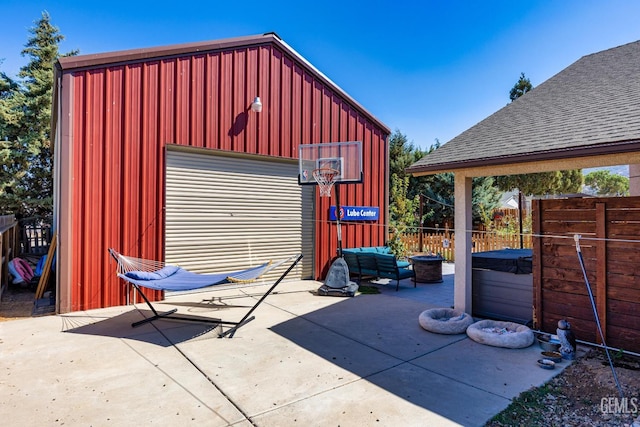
156	52
629	146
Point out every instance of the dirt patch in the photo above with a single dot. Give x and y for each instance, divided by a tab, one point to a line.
17	303
584	394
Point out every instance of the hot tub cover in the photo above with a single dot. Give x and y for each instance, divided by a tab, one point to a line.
518	261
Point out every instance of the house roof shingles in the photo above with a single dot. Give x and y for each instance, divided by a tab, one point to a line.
591	107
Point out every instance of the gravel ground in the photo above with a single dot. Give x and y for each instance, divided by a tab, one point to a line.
584	394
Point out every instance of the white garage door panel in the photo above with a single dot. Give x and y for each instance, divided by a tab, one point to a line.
228	213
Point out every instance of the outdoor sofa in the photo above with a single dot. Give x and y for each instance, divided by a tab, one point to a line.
378	262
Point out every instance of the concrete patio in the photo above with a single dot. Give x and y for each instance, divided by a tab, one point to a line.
305	360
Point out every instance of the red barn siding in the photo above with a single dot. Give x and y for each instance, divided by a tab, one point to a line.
122	110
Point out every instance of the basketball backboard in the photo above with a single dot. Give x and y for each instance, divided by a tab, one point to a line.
343	157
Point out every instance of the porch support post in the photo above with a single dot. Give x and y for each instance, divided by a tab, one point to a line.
463	224
634	180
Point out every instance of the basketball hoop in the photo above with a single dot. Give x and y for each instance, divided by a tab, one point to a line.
325	177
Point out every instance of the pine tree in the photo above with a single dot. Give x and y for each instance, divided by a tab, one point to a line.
605	183
543	183
13	152
522	86
402	207
405	191
25	125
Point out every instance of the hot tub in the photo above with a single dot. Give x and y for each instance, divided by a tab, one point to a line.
503	285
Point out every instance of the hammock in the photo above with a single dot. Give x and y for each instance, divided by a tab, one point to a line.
159	276
165	277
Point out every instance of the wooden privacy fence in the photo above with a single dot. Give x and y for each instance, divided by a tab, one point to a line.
610	244
443	243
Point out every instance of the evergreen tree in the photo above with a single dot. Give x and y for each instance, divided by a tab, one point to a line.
402	207
604	183
485	198
13	152
402	154
25	125
439	198
437	191
543	183
522	86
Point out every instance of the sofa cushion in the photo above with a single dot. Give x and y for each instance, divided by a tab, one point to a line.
403	264
370	249
405	273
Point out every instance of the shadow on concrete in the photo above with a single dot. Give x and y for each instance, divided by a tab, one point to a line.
378	338
162	332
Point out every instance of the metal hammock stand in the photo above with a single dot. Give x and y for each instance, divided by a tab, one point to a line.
157	275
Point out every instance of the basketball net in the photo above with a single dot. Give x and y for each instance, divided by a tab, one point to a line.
325	177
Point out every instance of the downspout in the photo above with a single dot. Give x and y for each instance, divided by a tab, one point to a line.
55	134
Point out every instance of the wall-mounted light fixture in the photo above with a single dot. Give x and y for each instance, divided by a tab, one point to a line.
256	105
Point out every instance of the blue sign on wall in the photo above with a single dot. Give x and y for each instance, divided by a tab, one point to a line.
355	213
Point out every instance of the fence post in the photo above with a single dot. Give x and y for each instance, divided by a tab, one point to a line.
8	226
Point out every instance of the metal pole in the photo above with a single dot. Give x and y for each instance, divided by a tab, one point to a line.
520	199
338	225
420	213
577	237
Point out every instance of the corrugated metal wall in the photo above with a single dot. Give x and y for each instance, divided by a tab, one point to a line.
115	120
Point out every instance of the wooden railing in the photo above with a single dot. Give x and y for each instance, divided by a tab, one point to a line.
35	236
8	247
443	243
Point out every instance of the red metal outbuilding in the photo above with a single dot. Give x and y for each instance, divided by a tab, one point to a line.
115	114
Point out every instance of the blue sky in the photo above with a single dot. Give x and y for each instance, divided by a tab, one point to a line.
430	69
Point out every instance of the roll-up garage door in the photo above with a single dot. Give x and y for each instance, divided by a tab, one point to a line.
230	212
